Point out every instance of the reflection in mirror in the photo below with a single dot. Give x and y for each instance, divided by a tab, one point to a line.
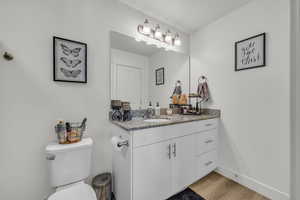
142	73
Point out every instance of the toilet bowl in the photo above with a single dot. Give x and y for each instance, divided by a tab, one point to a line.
69	165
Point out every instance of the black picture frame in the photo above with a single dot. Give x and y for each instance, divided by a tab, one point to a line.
157	71
263	35
55	78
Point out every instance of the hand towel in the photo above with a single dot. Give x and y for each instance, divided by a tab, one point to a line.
203	91
177	90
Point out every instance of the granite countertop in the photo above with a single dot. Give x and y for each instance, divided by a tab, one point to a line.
139	123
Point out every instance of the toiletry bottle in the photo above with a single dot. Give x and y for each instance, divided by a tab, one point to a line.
150	107
68	129
60	130
157	109
150	111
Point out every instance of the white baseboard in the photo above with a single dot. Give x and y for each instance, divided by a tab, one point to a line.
253	184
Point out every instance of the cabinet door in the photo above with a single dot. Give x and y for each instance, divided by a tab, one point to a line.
183	162
152	172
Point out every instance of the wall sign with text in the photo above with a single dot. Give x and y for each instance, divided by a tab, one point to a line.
250	53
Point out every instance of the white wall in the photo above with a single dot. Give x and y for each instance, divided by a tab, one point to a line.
176	68
31	102
295	99
255	104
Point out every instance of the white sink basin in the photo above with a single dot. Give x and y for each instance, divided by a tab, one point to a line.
156	120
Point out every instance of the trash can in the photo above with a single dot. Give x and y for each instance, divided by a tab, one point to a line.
102	186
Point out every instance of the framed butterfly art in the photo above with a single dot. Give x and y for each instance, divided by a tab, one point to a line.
69	60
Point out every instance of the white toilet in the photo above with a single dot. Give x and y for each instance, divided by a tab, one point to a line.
69	166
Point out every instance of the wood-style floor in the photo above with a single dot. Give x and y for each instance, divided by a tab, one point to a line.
217	187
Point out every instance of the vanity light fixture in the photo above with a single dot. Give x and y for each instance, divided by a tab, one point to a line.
167	40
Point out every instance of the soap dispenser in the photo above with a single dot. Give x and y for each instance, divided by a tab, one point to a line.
150	111
157	109
150	105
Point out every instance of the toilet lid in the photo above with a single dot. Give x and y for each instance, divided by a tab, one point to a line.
77	192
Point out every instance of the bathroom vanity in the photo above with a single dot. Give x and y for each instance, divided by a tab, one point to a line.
163	157
154	159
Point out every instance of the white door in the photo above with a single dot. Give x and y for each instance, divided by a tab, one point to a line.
129	78
183	162
152	172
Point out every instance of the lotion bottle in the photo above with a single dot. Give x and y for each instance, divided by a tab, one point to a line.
157	109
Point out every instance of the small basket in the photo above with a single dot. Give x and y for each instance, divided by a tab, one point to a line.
72	136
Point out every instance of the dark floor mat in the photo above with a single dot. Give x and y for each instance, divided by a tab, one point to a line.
187	194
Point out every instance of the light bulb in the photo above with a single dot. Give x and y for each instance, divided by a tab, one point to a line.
146	27
168	37
158	33
177	40
146	30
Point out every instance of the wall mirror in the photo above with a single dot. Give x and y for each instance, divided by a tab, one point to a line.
142	73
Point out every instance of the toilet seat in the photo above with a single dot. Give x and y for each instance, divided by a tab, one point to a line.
80	191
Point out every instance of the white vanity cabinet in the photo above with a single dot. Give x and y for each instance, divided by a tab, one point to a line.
162	161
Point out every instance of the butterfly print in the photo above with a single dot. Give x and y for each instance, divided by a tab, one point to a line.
70	63
67	51
70	73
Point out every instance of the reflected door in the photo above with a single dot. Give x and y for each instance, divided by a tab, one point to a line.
129	82
129	78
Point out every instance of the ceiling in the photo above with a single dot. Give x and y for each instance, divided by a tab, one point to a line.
126	43
186	15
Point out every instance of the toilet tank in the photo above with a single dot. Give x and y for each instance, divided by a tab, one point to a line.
69	163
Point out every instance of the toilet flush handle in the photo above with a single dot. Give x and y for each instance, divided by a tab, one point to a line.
50	157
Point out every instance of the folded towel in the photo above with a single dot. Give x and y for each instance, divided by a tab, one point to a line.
203	91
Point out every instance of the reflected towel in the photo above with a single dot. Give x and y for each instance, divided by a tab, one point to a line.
203	91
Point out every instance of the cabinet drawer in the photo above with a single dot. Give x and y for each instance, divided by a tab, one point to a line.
206	163
206	141
158	134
